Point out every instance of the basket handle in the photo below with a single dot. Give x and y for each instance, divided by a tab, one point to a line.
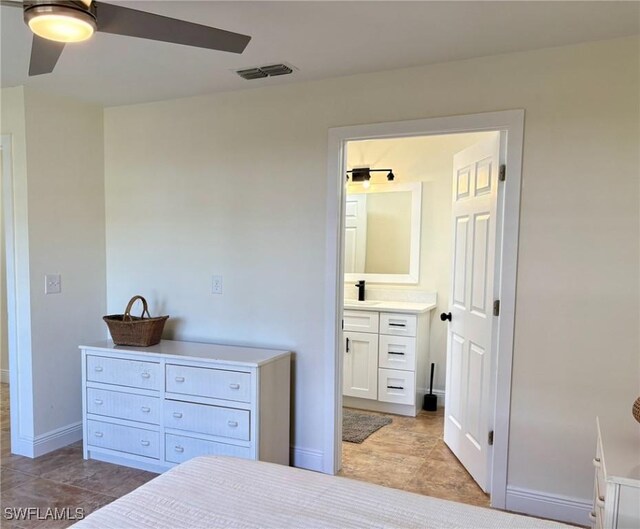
127	311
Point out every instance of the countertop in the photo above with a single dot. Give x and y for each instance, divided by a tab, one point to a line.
409	307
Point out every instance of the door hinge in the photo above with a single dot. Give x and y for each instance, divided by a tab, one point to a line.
496	307
502	173
490	438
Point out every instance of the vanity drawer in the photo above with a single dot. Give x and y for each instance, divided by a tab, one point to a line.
396	386
124	438
398	324
360	321
212	383
179	448
121	372
212	420
397	352
140	408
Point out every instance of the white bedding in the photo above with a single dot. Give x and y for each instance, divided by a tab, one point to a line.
218	492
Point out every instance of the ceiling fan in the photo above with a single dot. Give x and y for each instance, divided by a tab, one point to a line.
56	23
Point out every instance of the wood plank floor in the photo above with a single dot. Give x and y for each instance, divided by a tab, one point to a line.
409	454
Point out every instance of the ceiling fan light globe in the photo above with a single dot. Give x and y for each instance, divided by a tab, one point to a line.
60	24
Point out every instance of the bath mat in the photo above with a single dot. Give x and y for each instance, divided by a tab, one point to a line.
358	425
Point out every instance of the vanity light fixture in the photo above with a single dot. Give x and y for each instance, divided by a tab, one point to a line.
363	174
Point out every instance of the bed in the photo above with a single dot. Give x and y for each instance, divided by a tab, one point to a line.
220	492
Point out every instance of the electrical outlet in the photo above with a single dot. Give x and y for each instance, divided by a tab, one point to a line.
216	284
52	284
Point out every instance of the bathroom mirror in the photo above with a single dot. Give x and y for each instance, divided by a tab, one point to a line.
382	232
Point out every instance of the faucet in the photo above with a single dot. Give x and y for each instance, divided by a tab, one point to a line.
360	285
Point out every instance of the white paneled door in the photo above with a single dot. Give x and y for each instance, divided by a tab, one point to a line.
360	373
468	410
355	234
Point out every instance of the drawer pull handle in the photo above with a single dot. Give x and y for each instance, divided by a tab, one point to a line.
179	379
600	501
233	424
98	369
145	375
397	324
145	409
98	401
596	462
396	353
234	386
177	415
395	387
592	516
178	448
98	434
144	443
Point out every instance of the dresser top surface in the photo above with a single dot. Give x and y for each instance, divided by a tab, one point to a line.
620	438
226	354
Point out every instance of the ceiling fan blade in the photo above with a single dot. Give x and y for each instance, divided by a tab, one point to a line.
133	23
44	55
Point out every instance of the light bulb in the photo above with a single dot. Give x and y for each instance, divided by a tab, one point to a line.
366	184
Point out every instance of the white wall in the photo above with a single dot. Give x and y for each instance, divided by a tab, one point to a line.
426	159
66	235
235	184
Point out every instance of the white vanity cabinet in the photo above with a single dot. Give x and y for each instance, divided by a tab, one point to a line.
616	489
155	407
385	356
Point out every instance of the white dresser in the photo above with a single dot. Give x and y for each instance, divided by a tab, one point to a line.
616	490
155	407
386	354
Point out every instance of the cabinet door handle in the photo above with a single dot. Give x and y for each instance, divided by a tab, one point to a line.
145	409
98	369
144	443
347	349
179	379
177	415
234	386
145	375
396	353
233	424
178	448
98	434
395	387
397	324
98	401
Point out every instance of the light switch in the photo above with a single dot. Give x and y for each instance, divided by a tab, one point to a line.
216	284
52	284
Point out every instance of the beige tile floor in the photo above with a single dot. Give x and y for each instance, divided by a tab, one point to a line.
61	479
409	454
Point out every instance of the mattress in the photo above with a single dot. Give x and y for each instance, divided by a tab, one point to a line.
219	492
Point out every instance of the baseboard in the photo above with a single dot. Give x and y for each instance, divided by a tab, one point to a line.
4	376
555	507
307	459
58	438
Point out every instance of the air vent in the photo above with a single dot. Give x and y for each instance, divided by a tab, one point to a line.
270	70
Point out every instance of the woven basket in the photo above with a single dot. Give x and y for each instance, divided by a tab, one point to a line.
126	329
636	409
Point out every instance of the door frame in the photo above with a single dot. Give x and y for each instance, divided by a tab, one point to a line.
511	125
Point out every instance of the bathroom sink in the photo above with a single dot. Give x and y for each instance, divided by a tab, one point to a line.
366	303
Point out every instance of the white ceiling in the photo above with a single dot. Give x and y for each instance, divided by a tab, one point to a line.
322	39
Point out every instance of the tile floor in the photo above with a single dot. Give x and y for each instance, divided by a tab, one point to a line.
58	479
409	454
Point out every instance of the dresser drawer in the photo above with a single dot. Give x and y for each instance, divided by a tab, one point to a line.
398	324
397	352
396	386
212	420
360	321
124	438
120	372
180	448
212	383
140	408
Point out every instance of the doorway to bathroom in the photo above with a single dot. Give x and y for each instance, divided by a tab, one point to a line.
421	217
